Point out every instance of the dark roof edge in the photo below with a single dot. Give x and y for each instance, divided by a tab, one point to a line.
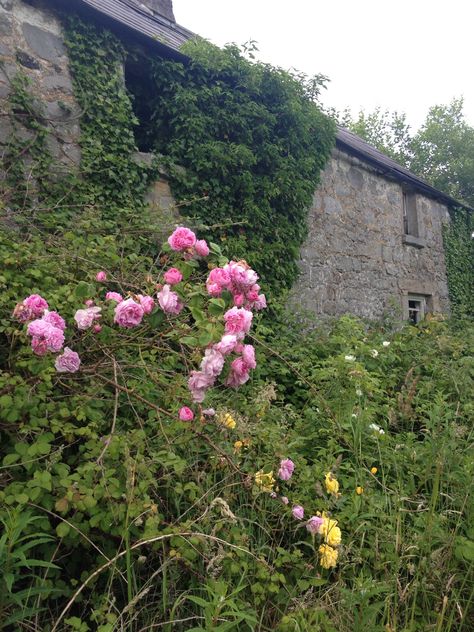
390	167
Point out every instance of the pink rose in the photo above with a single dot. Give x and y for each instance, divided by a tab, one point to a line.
169	301
128	314
68	362
209	412
286	469
198	384
226	344
89	302
260	303
45	337
248	356
186	414
314	524
173	276
298	512
182	239
218	280
114	296
101	276
239	373
36	304
213	362
239	300
22	313
97	328
201	248
284	500
85	317
238	320
53	318
39	346
147	303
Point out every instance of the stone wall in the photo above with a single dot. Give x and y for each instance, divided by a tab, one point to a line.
355	259
31	41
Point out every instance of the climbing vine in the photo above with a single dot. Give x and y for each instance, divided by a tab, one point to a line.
459	252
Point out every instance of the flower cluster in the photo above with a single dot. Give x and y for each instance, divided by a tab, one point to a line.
46	329
241	281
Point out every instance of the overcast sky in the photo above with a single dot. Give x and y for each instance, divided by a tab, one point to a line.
403	55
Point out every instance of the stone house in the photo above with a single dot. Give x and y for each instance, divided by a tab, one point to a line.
375	229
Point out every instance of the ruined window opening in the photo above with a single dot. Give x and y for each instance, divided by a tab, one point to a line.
137	75
417	307
410	214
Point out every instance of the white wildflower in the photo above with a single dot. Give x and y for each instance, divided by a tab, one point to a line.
386	343
349	358
374	353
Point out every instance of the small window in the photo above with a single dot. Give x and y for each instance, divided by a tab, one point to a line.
417	307
410	214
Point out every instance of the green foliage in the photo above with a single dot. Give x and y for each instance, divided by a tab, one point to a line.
252	144
459	253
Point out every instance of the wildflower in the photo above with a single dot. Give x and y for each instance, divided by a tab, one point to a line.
101	276
286	469
328	555
386	343
68	362
374	353
173	276
349	358
265	481
238	446
182	239
96	328
314	524
227	421
128	314
209	412
284	500
186	414
373	470
330	531
376	428
201	248
114	296
218	280
332	485
298	512
359	490
358	392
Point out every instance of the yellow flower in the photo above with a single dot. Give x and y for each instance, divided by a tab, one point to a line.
373	470
265	481
332	485
238	446
227	421
330	531
328	557
359	490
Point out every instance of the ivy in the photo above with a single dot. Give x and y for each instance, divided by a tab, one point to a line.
459	253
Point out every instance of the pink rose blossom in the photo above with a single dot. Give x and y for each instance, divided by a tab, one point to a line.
314	524
213	362
89	302
252	296
218	280
101	276
248	356
186	414
85	317
286	469
114	296
128	314
53	318
209	412
39	346
201	248
147	303
97	328
45	337
284	500
198	384
237	320
239	300
173	276
169	301
260	303
68	362
298	512
182	239
226	344
36	304
239	373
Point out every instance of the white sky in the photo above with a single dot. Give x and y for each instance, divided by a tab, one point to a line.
403	55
